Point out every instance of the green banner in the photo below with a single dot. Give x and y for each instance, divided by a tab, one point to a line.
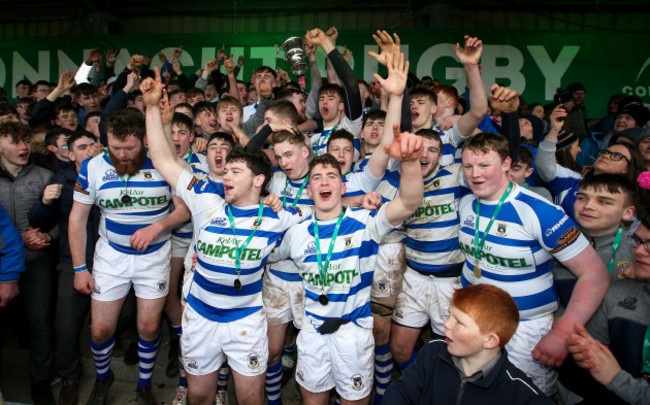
534	64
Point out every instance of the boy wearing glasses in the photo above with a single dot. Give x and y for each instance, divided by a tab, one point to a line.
621	324
604	202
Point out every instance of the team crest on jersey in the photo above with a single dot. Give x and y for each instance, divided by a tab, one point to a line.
348	242
469	221
253	361
502	229
148	175
192	364
311	248
220	222
288	192
436	184
256	225
162	284
110	175
357	382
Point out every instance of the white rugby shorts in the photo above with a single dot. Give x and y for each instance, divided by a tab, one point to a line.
344	359
114	272
206	344
423	299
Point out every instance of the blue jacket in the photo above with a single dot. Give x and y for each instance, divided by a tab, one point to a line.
434	379
12	254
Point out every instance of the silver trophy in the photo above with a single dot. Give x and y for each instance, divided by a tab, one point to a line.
295	55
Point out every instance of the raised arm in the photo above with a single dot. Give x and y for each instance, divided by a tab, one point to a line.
470	57
406	147
353	108
164	159
506	100
394	85
545	164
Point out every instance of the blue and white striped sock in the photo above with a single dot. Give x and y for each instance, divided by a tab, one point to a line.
102	355
224	377
273	384
182	377
383	370
147	352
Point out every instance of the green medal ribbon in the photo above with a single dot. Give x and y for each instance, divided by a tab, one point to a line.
297	197
322	270
478	244
646	352
526	186
189	157
323	139
239	250
615	246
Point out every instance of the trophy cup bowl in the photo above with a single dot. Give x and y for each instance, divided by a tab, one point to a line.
295	55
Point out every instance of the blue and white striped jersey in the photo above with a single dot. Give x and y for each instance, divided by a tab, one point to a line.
199	165
432	231
349	276
452	141
150	196
319	140
212	293
519	249
360	183
564	188
286	269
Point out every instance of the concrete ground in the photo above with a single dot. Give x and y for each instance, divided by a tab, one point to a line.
15	383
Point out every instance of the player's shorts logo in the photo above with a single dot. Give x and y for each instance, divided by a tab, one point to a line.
192	364
161	285
382	286
399	314
501	229
148	175
300	376
311	248
469	221
357	382
253	361
97	290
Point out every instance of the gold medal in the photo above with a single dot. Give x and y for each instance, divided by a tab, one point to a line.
477	272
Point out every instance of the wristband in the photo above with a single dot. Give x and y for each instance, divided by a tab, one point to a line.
81	268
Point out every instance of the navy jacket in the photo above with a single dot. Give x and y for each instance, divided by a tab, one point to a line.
434	379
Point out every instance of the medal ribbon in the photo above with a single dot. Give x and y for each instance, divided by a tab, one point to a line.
478	244
126	182
323	139
322	270
239	250
615	246
295	200
189	157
